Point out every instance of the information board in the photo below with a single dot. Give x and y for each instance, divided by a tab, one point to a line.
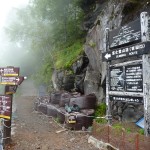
126	78
127	51
126	99
116	79
5	106
9	71
134	78
130	33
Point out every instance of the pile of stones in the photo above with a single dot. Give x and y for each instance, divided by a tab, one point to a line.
56	106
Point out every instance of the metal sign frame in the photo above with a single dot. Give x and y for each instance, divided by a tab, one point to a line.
127	51
143	49
126	75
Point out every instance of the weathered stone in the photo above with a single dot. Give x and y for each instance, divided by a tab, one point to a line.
120	110
79	82
131	114
94	75
80	65
57	79
92	84
68	82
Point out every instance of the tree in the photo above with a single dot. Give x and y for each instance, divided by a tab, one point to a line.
47	26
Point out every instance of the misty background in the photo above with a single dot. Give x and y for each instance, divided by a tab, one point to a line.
15	53
41	36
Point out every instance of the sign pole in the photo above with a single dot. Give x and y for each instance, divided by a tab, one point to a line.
9	76
108	111
7	126
146	72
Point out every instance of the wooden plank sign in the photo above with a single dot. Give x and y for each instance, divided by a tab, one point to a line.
10	89
5	106
11	80
9	71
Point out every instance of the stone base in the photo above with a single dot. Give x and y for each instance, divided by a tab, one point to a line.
100	145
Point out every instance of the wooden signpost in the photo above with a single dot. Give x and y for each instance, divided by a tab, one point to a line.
9	76
129	81
5	106
10	80
10	89
9	71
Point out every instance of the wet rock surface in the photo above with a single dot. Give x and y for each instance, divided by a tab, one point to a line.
37	131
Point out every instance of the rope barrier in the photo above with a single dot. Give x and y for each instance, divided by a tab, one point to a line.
104	117
6	138
6	126
62	126
77	113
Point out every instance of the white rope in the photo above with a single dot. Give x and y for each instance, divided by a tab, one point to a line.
6	125
6	138
105	117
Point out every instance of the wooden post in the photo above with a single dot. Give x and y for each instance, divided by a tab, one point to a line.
7	127
145	36
108	134
108	111
137	142
146	90
123	139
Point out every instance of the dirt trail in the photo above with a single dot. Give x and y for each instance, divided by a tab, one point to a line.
37	131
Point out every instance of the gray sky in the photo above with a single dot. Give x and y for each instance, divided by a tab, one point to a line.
12	54
6	6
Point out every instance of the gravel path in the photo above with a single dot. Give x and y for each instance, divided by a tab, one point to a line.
37	131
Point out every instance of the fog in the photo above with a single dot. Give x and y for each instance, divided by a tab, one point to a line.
15	53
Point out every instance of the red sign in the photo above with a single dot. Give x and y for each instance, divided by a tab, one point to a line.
10	89
5	106
11	80
9	71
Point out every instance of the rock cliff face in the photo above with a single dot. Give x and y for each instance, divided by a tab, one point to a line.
89	72
109	17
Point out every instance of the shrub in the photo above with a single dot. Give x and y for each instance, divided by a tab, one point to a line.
68	55
100	112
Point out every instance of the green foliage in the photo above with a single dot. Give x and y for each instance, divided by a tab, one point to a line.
44	73
51	29
118	127
68	55
65	18
141	131
128	130
101	112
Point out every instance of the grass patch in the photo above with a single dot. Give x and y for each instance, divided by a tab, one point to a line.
141	131
118	126
66	56
100	112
